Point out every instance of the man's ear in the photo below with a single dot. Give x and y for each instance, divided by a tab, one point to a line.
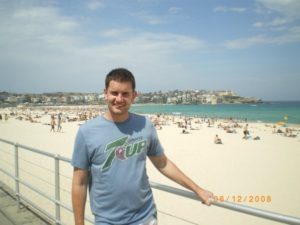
105	93
135	94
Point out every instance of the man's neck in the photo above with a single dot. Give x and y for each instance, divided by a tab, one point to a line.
116	118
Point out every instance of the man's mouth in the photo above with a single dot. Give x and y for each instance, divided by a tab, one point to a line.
119	106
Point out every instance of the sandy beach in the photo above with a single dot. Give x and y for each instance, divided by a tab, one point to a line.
261	173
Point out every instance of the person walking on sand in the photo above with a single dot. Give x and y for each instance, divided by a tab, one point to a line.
59	127
52	123
246	132
109	156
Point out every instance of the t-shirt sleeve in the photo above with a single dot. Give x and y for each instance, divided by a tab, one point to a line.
155	148
80	158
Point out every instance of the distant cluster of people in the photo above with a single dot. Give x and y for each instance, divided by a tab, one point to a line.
56	121
287	132
186	124
58	115
53	123
5	117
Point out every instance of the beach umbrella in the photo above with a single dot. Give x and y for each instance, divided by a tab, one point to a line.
280	123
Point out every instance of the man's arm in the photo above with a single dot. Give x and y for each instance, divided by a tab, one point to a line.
79	192
170	170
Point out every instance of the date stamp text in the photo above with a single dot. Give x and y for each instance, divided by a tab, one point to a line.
244	198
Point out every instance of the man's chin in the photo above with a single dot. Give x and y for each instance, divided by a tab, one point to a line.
119	111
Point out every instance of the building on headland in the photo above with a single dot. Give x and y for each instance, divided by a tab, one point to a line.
186	97
195	97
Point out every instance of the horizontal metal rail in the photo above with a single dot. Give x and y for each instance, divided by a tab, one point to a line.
18	181
52	155
179	192
232	206
36	190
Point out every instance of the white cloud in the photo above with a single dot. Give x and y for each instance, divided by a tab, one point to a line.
165	42
47	46
291	36
136	43
40	20
279	22
284	12
95	4
115	33
282	15
259	24
174	10
245	42
35	27
148	18
229	9
156	47
274	23
287	8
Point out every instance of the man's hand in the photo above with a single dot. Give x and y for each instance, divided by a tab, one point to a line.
205	196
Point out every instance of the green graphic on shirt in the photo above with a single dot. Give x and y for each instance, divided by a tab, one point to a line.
121	150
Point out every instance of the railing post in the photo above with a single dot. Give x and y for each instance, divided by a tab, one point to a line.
17	184
57	192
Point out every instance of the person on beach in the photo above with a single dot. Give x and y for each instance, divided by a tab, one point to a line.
109	157
184	131
52	123
217	140
59	127
246	132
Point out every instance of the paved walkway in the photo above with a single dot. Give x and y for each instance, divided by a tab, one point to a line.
10	214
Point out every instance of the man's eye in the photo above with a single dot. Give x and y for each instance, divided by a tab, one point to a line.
124	95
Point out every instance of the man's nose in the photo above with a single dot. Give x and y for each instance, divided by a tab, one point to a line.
119	97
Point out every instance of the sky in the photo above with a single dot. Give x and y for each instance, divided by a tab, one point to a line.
251	47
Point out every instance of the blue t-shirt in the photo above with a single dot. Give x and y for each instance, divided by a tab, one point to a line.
115	154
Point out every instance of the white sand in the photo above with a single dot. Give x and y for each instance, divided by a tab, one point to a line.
268	168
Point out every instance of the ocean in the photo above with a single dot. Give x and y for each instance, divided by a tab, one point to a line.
271	112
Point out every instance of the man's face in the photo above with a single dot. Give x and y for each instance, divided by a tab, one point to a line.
119	97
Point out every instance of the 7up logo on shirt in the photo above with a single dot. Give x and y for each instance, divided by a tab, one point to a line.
121	150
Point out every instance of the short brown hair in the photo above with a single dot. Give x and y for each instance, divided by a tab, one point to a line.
120	75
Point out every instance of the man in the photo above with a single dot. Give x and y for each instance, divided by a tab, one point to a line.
110	156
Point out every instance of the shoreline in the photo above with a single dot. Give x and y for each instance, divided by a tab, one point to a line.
102	108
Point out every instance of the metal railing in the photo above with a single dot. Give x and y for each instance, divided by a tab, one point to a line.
232	206
56	200
58	204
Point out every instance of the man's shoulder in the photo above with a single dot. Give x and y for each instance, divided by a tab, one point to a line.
91	123
139	117
141	120
135	115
